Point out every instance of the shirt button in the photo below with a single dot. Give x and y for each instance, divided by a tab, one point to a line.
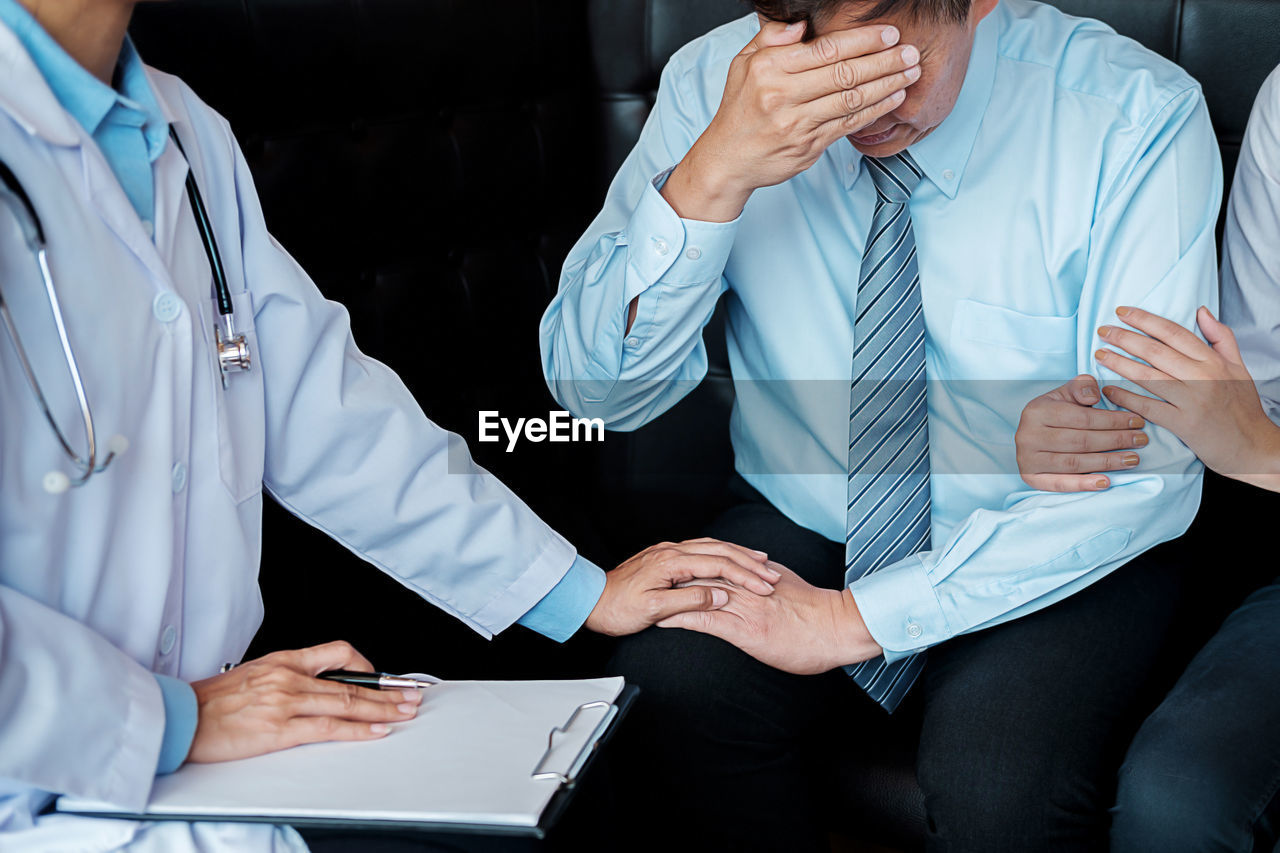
693	254
948	175
914	630
167	639
166	306
179	477
660	246
631	342
149	227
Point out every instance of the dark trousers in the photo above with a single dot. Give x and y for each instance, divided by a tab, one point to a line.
1022	726
1203	773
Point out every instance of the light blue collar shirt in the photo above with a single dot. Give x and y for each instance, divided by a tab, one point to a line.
1078	172
126	122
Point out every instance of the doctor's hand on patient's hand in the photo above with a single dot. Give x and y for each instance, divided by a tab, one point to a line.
801	628
276	702
647	588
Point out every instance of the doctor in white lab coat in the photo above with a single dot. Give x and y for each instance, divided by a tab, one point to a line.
147	575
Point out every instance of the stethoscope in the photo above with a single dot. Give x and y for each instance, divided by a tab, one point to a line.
232	349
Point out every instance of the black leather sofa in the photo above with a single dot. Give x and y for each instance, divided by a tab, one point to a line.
430	162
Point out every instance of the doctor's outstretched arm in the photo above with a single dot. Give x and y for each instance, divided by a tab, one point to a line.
349	450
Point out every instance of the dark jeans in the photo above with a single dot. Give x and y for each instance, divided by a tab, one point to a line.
1023	725
1204	771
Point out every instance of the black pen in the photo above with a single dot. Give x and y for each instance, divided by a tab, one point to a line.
375	680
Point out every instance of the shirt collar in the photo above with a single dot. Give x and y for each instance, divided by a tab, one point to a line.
85	97
944	154
136	93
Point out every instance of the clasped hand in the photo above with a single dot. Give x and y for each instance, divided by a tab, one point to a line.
801	628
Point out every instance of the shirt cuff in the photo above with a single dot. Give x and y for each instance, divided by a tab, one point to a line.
900	609
181	713
664	247
562	611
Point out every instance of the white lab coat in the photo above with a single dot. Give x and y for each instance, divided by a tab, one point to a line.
152	567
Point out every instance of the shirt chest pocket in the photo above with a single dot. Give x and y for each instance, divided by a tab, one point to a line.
240	409
1001	359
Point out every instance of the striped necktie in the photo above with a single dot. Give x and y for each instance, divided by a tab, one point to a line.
888	423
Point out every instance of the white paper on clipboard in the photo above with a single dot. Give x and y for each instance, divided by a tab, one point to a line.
467	758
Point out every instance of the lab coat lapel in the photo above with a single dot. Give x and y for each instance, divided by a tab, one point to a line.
170	172
113	208
28	100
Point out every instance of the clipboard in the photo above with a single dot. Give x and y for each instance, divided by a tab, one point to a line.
567	775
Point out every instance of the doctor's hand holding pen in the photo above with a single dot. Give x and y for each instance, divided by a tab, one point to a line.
278	701
1202	393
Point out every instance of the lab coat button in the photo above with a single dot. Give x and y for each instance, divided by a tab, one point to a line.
166	306
167	639
179	477
914	630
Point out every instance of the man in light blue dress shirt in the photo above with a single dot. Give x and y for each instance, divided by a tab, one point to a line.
1059	170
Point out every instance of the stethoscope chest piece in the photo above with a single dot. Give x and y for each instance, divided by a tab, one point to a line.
233	352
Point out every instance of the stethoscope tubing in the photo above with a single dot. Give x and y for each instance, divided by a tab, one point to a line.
221	291
33	232
87	467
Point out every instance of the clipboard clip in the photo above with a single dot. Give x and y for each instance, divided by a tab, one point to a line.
539	772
